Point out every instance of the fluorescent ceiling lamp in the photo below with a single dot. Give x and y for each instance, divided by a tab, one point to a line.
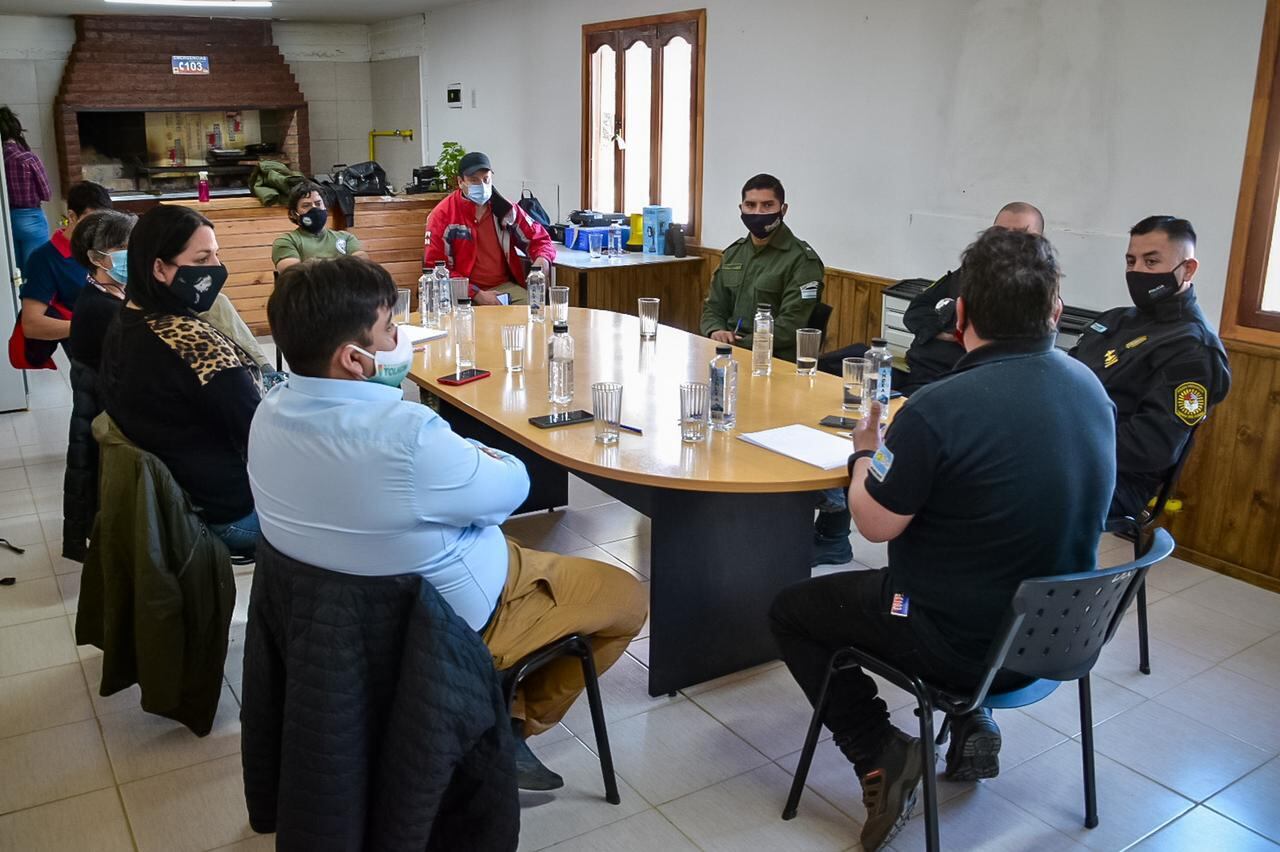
200	4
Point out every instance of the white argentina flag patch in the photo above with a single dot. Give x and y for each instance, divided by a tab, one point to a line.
809	291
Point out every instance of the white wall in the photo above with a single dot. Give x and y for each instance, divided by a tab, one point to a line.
900	126
32	53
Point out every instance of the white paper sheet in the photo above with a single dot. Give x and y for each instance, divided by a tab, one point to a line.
803	443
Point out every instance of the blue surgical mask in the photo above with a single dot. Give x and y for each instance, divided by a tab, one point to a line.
119	266
478	193
390	366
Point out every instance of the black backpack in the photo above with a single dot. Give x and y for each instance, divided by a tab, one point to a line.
366	178
530	204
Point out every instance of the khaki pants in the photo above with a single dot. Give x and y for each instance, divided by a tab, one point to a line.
518	294
547	597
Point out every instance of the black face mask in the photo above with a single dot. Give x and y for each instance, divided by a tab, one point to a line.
313	220
196	287
761	225
1148	288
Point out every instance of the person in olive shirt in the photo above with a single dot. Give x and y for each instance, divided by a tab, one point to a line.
1159	361
770	265
311	239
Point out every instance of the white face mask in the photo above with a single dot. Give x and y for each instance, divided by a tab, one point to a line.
390	366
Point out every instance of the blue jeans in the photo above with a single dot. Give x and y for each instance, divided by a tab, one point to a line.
30	231
833	500
240	537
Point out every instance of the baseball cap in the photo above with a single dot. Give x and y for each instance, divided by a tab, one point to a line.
472	163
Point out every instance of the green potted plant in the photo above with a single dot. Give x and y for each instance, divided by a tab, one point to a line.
451	154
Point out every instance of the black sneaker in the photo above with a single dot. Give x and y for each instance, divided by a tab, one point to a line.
889	790
974	752
531	773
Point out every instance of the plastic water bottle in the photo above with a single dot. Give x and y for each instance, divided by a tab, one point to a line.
560	356
444	298
879	382
536	283
428	316
762	341
723	389
464	335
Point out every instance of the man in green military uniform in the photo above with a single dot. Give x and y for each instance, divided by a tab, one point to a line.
770	265
312	238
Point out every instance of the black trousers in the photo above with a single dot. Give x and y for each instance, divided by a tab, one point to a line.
813	619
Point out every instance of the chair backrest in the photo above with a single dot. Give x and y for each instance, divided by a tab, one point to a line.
819	319
1058	625
1170	480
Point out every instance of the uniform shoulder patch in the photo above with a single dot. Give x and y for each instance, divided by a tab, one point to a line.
1098	327
1136	342
1190	402
881	462
810	290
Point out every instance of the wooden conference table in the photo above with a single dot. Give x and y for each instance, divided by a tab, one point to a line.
732	523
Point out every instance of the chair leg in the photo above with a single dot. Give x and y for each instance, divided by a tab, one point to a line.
1086	751
806	753
598	724
924	709
1144	650
944	731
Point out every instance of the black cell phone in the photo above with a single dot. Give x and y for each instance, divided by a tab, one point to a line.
562	418
463	377
835	422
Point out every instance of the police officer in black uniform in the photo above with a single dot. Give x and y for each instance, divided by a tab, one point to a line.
934	350
1159	361
931	317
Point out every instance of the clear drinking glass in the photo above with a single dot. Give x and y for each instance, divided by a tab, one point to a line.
855	380
513	347
694	398
459	289
808	341
648	310
595	243
559	305
401	313
606	400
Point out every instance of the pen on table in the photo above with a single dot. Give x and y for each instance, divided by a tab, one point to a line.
737	332
624	427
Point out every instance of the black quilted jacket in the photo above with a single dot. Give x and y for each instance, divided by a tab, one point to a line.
372	717
80	482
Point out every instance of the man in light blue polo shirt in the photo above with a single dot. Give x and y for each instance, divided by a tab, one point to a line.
347	476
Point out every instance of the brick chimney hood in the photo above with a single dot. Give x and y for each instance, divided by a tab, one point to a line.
125	63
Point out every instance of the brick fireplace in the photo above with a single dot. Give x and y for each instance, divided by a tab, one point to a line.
125	64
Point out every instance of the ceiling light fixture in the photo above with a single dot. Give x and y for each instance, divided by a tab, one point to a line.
200	4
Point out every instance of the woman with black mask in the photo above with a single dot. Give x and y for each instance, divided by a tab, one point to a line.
173	383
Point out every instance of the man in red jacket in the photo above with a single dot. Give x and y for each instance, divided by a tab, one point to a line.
482	236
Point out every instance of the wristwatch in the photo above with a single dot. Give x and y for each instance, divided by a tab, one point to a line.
860	454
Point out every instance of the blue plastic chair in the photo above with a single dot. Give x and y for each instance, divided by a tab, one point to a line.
1054	632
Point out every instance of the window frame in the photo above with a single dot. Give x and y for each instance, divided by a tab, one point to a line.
656	31
1242	316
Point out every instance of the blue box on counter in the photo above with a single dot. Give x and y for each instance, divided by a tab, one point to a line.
656	220
575	236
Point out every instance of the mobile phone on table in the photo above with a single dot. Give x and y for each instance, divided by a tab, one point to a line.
504	298
561	418
463	377
836	422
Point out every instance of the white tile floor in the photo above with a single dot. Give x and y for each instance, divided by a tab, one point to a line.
1189	757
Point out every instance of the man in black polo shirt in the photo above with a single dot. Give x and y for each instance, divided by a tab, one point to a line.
998	472
1160	362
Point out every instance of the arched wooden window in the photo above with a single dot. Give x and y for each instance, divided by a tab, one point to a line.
642	104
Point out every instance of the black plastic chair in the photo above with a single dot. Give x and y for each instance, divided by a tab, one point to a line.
577	645
820	319
1139	531
1054	632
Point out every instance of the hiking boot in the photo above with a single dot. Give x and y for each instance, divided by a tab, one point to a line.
889	790
531	773
831	551
974	752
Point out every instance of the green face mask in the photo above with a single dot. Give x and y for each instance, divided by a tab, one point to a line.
390	367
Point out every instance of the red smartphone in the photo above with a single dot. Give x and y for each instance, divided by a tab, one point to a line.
464	377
